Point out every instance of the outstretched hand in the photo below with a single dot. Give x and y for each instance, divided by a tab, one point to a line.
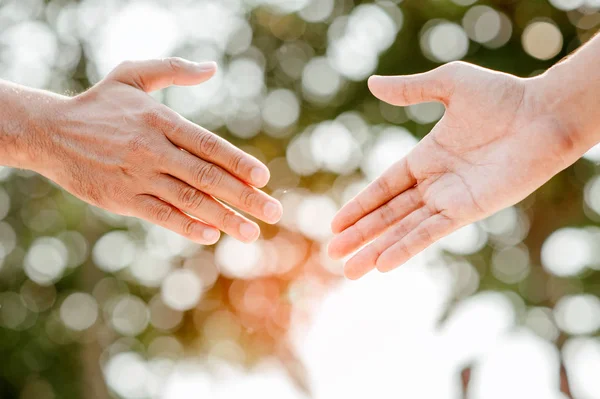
495	145
114	146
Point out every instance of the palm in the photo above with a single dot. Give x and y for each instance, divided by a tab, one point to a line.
471	165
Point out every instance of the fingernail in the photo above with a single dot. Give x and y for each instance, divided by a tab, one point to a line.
205	66
249	231
210	235
272	212
259	177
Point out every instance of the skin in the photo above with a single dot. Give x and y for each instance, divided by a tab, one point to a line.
500	139
117	148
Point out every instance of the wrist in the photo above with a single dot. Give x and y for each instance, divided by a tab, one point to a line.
571	100
28	120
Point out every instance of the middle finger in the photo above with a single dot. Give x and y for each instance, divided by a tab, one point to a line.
213	180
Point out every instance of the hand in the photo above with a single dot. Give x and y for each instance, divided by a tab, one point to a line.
498	141
117	148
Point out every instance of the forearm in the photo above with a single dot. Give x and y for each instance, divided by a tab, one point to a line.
25	124
571	91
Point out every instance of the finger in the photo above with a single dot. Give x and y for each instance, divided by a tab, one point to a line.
203	206
374	224
435	85
366	259
151	75
425	234
212	148
213	180
159	212
394	181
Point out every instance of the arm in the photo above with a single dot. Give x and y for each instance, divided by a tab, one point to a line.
115	147
500	139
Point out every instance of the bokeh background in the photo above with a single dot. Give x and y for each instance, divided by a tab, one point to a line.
94	305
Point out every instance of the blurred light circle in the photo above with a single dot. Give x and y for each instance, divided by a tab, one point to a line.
165	243
566	252
507	227
245	78
165	347
149	270
300	157
532	366
466	240
334	147
426	112
162	316
77	246
320	80
482	23
114	251
444	42
38	298
284	7
592	194
281	108
541	322
4	203
373	25
127	374
582	362
29	52
353	60
593	154
79	311
241	39
292	58
542	40
314	216
181	290
392	144
578	314
46	260
246	122
139	31
466	278
237	259
464	2
130	315
12	310
190	100
317	10
8	239
567	5
511	265
502	222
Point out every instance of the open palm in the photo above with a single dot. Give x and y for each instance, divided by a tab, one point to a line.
493	147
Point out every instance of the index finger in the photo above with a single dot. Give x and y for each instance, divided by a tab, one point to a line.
394	181
212	148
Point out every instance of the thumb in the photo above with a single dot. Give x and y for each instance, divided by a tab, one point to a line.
435	85
151	75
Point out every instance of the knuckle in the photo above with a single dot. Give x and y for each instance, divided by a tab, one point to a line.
227	218
249	198
161	212
188	227
208	144
125	66
384	187
387	214
208	176
237	163
138	144
175	64
155	117
191	198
